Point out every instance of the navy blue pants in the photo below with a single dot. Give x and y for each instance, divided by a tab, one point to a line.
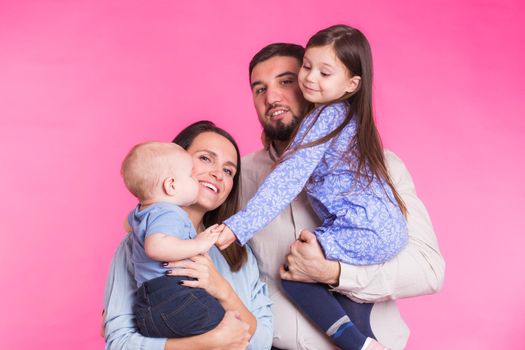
325	308
165	309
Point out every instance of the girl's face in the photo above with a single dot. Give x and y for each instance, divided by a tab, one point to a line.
323	77
214	166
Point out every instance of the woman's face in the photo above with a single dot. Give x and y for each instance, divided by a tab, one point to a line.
214	166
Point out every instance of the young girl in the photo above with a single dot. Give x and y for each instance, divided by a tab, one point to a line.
337	157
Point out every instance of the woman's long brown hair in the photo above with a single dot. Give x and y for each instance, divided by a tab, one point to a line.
235	255
353	49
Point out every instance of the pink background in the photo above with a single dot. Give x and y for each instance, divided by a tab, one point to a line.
82	81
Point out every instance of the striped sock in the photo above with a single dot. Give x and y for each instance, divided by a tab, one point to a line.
345	335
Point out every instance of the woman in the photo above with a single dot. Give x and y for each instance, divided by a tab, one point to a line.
232	278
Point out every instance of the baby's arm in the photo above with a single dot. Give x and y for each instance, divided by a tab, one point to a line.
162	247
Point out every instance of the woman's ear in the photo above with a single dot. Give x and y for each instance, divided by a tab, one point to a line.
352	84
169	186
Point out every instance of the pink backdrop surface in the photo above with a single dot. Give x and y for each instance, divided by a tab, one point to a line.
82	81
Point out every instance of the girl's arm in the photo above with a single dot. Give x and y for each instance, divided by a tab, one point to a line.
287	180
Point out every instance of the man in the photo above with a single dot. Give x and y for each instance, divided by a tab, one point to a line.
417	270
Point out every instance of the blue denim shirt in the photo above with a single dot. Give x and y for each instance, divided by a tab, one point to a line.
361	224
119	295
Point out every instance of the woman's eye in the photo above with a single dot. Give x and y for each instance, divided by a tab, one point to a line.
306	67
228	172
204	158
325	74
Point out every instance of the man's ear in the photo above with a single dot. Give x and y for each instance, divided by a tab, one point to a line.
169	186
352	84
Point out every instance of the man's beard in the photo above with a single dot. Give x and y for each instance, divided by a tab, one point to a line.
281	131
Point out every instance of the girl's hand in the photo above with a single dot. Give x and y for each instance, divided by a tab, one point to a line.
226	238
202	268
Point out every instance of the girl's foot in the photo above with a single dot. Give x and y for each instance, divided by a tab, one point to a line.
374	345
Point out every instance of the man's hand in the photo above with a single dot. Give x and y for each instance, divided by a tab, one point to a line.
306	262
226	238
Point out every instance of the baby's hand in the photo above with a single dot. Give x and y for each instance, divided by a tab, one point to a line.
208	237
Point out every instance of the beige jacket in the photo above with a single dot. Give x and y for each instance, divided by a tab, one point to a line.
417	270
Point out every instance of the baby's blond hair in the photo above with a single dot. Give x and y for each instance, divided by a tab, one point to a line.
147	165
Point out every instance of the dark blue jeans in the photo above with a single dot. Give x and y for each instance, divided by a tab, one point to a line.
165	309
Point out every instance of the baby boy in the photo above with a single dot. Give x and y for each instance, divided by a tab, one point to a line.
159	175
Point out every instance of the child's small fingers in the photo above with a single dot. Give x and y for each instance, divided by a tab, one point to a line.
220	227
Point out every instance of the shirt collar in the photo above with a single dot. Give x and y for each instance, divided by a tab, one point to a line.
273	153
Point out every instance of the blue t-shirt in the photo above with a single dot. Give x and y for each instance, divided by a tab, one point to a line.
161	217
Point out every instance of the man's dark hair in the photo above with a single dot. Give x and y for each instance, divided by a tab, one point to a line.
277	49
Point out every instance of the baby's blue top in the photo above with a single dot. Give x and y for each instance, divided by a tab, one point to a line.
161	217
361	225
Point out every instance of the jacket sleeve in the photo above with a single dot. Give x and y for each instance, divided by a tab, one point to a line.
418	269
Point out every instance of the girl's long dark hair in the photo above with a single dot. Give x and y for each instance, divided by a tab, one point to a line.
353	50
235	255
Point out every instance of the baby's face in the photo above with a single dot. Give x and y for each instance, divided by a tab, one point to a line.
186	186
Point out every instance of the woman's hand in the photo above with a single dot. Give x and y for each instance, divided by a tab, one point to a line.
232	332
307	263
207	277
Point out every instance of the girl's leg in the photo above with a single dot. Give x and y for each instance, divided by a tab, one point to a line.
358	313
320	305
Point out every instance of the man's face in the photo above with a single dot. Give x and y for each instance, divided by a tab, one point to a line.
278	100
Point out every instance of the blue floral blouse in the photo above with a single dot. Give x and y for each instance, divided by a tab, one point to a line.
360	225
